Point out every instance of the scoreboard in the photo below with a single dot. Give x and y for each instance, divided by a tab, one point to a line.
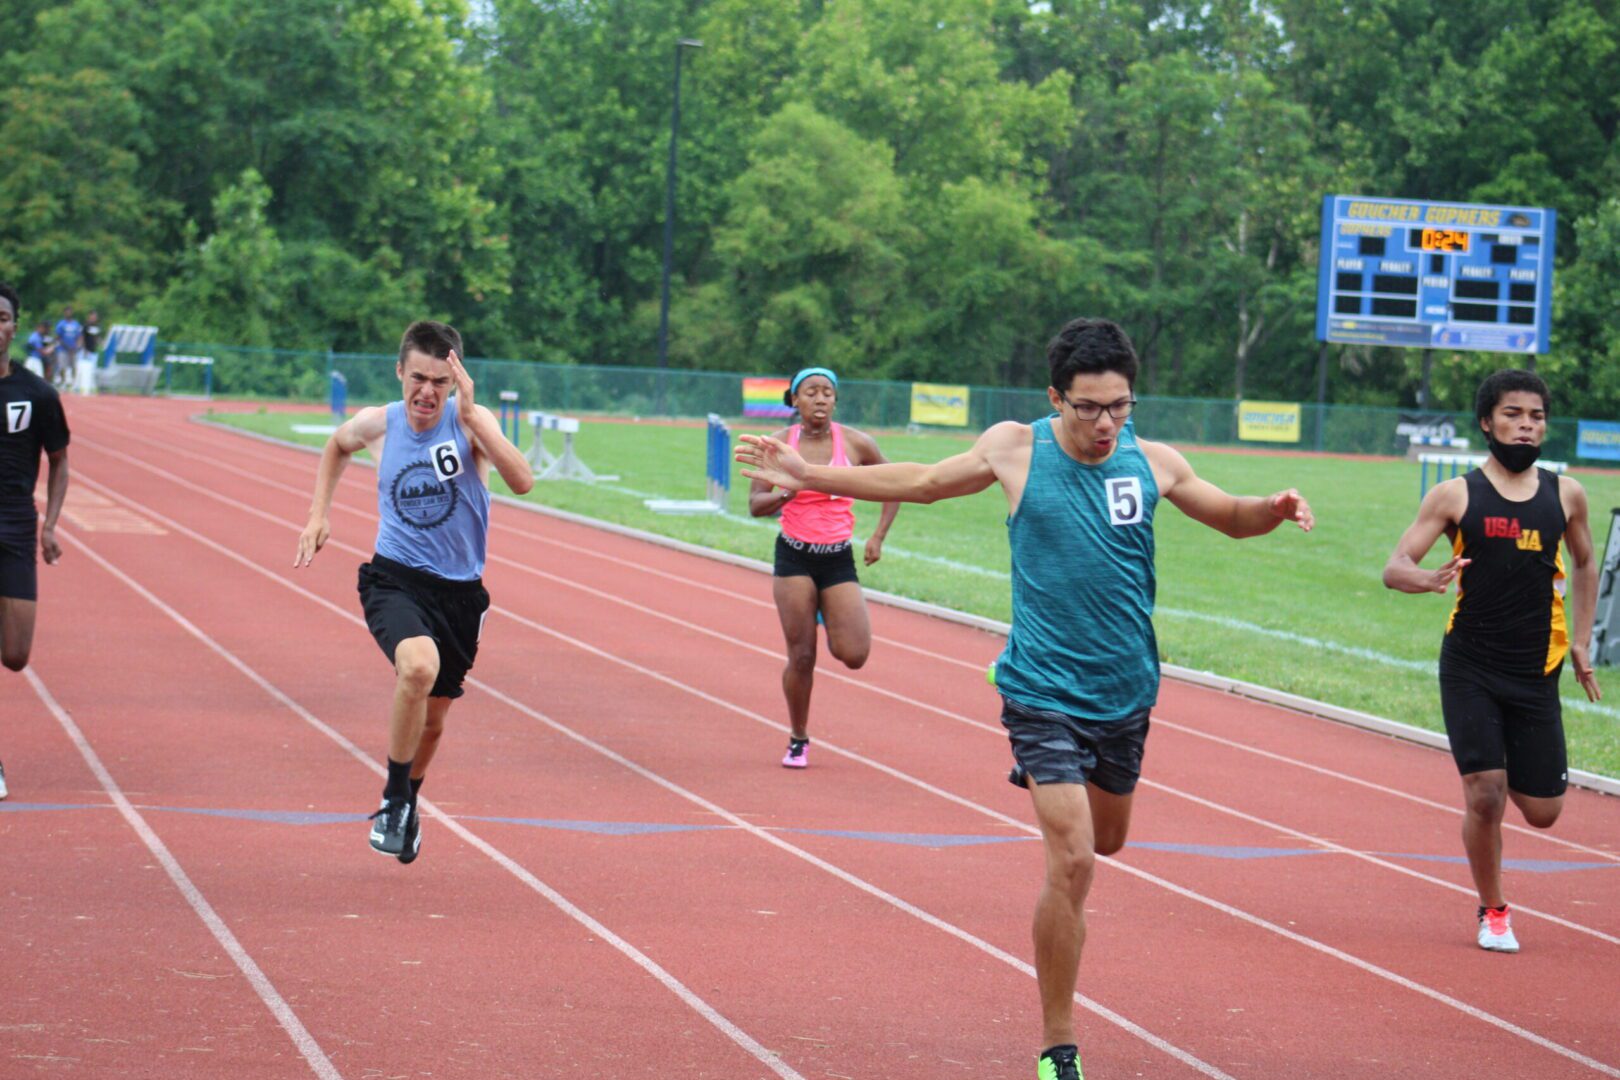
1435	275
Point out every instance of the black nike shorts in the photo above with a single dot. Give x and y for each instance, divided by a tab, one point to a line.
1498	721
825	564
401	602
1056	748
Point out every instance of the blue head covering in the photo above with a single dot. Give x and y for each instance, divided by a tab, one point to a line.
809	371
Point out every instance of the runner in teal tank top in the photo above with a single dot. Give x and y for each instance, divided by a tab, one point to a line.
1081	667
1102	513
422	591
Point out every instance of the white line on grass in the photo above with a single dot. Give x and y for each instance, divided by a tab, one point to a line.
1179	890
319	1063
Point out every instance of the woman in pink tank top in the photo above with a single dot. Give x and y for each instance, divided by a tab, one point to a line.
815	564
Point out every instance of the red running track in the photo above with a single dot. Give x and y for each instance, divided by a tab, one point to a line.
617	876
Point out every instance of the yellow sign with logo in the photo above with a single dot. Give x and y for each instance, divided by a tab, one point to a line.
932	403
1268	421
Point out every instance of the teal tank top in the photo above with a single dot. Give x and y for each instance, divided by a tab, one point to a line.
1082	638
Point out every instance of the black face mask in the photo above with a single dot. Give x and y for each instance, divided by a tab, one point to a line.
1515	457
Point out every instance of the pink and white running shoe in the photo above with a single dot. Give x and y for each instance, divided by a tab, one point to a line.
795	757
1496	930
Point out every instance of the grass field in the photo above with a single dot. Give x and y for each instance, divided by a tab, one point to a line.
1302	613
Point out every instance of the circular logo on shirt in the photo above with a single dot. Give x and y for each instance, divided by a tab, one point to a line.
420	498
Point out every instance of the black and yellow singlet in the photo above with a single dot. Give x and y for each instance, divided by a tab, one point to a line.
1509	613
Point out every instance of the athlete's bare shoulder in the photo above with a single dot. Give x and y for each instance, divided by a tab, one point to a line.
1447	501
364	429
1007	435
1571	494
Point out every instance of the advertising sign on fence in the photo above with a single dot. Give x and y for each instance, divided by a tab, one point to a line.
1598	439
932	403
1268	421
763	397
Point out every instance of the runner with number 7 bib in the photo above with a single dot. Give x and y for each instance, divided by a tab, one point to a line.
422	591
1081	667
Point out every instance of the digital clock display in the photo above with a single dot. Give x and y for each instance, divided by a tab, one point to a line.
1445	240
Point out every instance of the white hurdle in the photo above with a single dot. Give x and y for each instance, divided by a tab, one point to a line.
564	466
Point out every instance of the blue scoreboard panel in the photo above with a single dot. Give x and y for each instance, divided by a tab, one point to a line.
1430	275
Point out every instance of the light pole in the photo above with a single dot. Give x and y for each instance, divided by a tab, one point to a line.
669	205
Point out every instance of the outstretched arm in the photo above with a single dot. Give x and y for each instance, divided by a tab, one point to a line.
1583	580
774	462
1238	516
349	439
1440	510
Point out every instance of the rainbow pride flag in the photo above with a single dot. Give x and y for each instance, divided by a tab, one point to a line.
763	397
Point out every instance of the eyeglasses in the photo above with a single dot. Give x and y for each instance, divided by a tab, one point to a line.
1090	410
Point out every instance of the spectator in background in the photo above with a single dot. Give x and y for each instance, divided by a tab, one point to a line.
92	334
41	351
69	335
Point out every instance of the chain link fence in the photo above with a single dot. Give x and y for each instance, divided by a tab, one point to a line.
654	392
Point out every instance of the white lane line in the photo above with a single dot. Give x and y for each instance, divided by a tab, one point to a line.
319	1063
1574	704
1302	640
170	450
562	903
1224	908
1383	789
1099	1009
632	565
993	729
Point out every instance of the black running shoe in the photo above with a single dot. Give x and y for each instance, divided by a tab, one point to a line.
1059	1063
413	837
388	826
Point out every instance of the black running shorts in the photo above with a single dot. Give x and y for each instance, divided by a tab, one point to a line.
1498	721
401	602
19	561
1056	748
825	564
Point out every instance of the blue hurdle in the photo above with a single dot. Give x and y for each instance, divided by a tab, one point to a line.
510	415
340	396
718	471
716	477
107	373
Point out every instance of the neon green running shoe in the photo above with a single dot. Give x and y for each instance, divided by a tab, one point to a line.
1059	1063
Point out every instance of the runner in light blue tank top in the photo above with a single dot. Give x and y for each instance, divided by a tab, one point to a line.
432	506
422	592
1080	671
1082	557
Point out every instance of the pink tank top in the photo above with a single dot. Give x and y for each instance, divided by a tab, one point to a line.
813	517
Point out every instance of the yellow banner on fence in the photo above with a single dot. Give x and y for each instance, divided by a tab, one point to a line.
932	403
1268	421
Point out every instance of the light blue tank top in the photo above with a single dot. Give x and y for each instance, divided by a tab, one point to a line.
432	506
1082	638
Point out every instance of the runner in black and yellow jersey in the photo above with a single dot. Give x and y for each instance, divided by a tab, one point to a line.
1508	634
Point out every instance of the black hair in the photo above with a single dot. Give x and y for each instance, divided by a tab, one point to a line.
1088	347
1505	382
16	301
434	338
